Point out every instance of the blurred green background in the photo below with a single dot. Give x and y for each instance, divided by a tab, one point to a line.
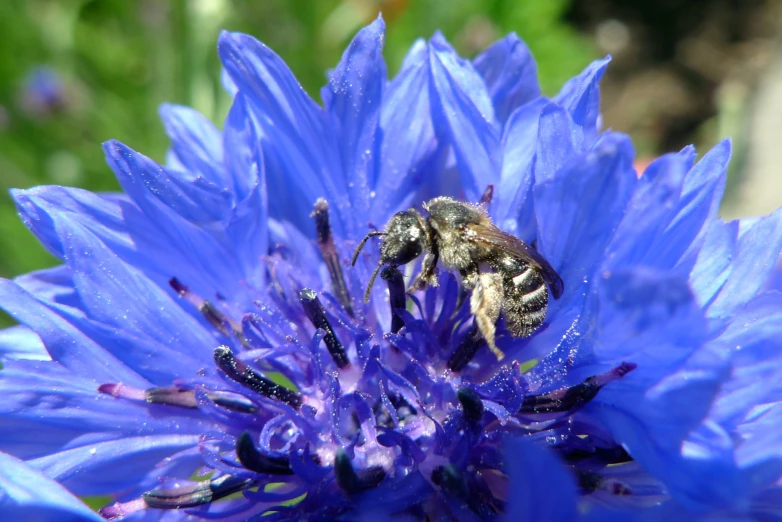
74	73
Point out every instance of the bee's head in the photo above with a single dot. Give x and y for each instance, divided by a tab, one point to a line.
405	238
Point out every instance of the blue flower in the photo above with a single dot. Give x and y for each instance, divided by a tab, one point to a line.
204	351
43	92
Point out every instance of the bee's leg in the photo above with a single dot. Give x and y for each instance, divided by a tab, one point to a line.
486	305
428	274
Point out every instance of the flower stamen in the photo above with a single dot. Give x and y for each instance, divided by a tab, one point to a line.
238	371
466	350
574	397
396	293
254	460
215	317
330	255
317	315
351	481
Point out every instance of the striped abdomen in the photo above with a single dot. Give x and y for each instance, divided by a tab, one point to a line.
525	296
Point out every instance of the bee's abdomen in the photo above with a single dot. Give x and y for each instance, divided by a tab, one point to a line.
526	299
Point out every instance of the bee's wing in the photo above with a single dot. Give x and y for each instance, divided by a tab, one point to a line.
493	237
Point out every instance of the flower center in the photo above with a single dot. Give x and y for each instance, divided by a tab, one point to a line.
309	425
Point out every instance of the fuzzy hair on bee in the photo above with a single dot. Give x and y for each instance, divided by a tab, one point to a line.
506	276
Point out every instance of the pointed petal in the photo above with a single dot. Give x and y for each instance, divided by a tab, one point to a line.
652	319
559	139
715	260
241	145
579	208
19	342
29	495
64	342
106	467
654	230
753	339
196	199
540	486
464	117
298	144
409	143
48	408
757	252
196	143
352	99
197	251
581	97
121	297
510	74
514	203
248	228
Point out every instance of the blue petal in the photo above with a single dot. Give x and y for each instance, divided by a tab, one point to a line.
121	297
757	251
298	145
514	206
760	452
464	117
20	342
540	486
510	74
665	222
40	207
248	229
28	495
581	97
65	343
409	143
213	267
196	199
241	145
110	466
196	143
48	408
352	99
753	339
580	206
559	139
651	318
715	260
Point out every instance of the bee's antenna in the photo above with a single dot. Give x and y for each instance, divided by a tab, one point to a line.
361	245
372	282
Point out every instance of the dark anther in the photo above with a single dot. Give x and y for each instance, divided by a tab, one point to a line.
317	315
575	397
212	314
352	482
254	460
472	405
215	317
201	493
330	254
487	194
396	291
450	480
172	395
613	455
589	481
466	349
238	371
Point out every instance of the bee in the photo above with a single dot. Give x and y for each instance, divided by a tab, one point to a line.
506	276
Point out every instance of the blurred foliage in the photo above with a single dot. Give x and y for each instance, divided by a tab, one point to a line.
119	60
